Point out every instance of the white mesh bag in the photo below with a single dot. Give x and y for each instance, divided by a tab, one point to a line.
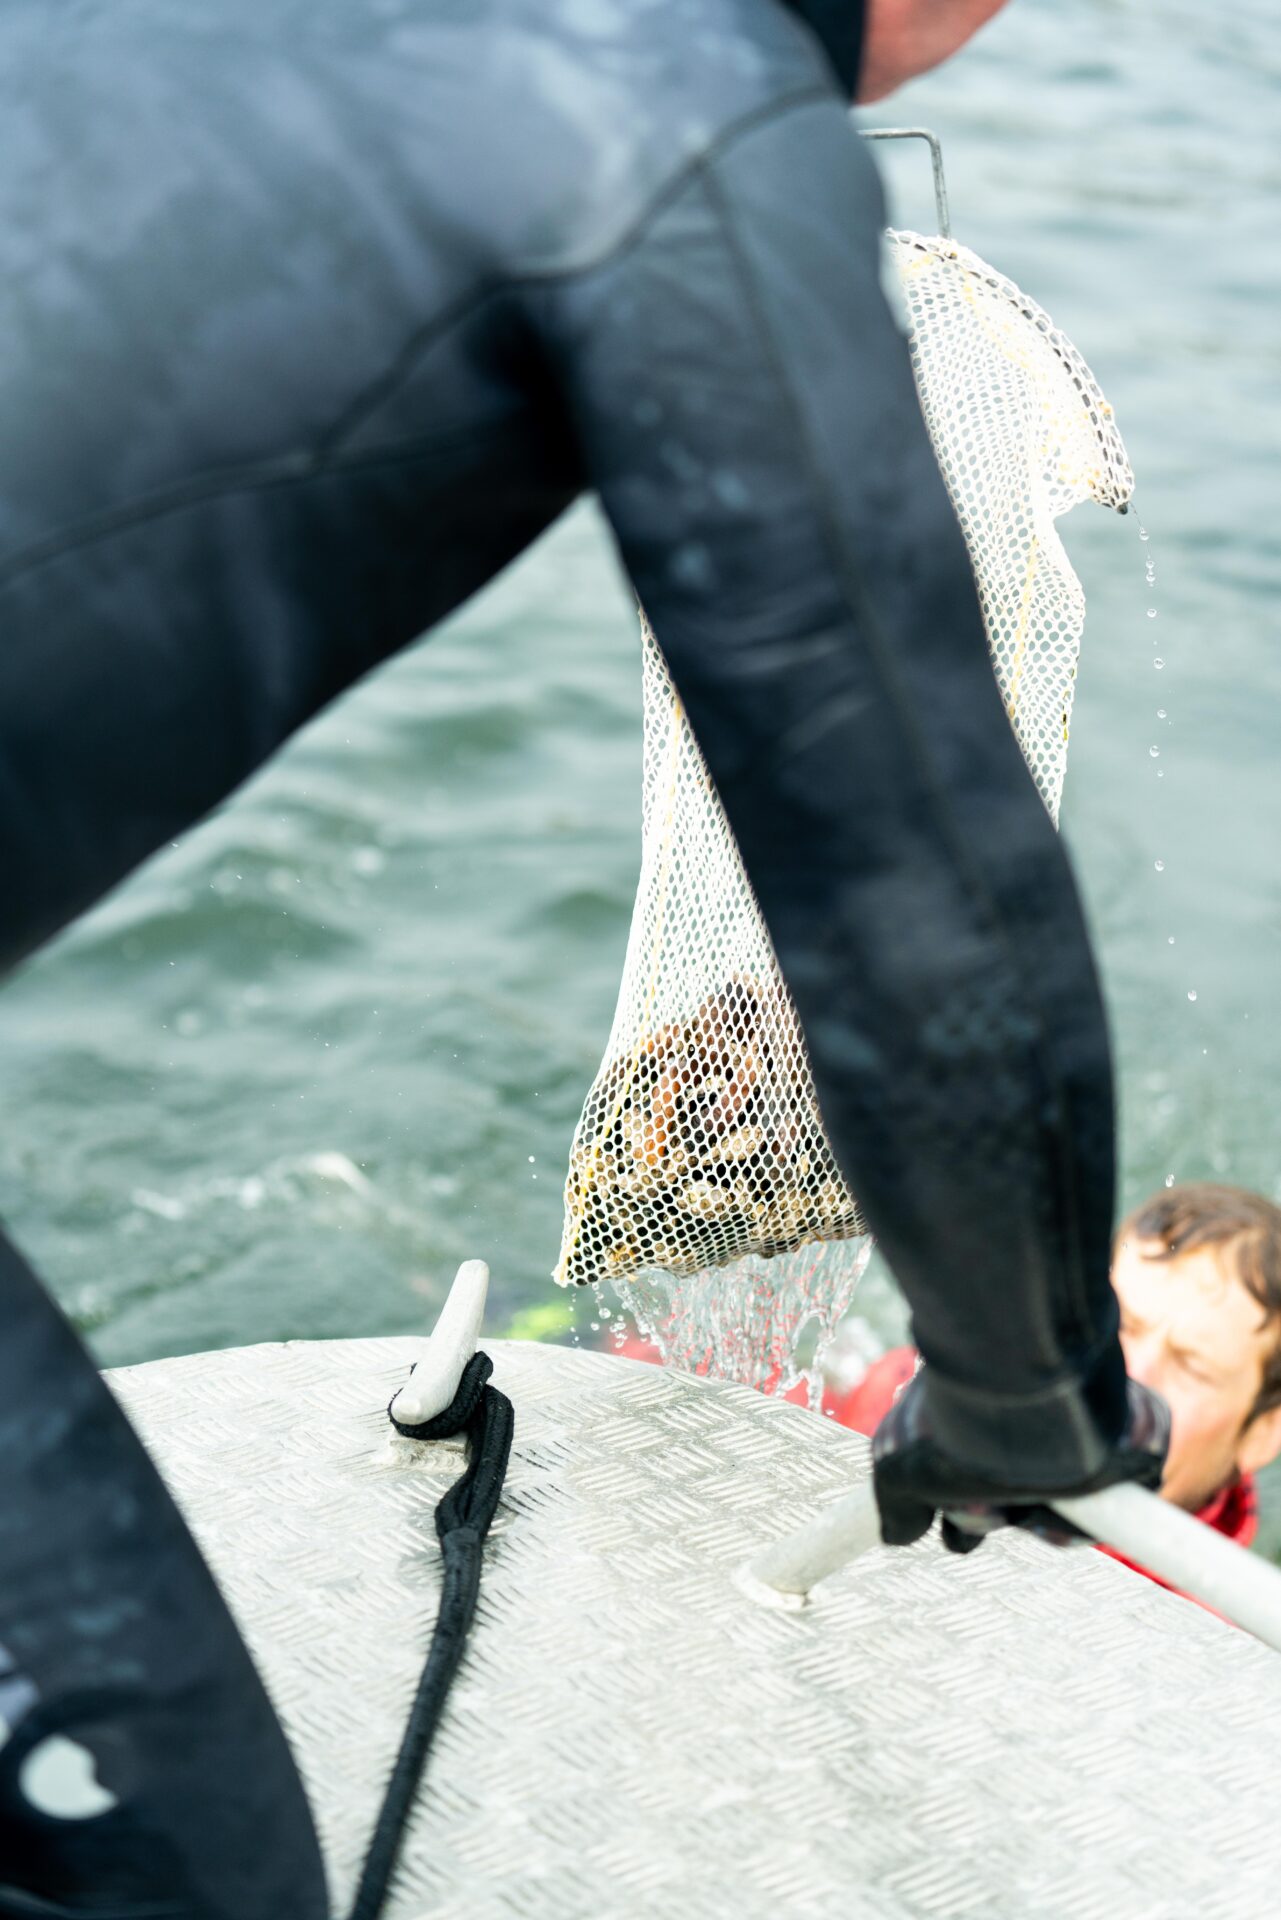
700	1142
1021	432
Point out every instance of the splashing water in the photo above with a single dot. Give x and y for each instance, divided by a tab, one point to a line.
747	1322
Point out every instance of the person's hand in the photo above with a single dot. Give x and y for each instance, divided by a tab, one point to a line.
902	38
914	1478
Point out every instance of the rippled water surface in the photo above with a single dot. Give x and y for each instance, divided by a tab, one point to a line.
337	1039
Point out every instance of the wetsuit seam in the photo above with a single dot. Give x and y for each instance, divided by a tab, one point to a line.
324	454
847	568
287	469
382	389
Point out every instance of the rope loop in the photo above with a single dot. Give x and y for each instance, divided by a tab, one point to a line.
463	1517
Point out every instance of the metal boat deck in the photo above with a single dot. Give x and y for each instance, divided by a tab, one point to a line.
1024	1734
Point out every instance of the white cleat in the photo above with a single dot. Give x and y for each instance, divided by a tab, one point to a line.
434	1381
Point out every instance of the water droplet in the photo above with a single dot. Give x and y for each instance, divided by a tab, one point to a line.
607	1313
1151	613
1160	713
1160	866
1158	664
1160	773
1154	753
1144	534
1171	940
1169	1179
1191	993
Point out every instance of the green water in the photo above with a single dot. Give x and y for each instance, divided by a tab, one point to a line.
336	1040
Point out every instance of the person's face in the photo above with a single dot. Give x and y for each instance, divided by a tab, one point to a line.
1191	1331
902	38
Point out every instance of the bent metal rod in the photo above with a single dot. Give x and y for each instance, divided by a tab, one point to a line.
1140	1525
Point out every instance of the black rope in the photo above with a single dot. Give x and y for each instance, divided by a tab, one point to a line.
463	1516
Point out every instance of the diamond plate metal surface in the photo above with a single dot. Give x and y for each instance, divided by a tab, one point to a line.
1023	1734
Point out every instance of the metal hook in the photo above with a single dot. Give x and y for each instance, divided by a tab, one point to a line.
936	155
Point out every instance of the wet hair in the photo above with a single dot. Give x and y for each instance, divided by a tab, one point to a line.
1248	1229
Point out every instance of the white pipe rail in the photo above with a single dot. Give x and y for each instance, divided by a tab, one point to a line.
1146	1529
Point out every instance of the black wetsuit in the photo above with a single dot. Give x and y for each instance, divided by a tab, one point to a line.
313	315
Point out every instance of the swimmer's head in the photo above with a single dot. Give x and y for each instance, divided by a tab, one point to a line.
1197	1271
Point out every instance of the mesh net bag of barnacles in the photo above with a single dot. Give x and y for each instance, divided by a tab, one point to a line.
701	1184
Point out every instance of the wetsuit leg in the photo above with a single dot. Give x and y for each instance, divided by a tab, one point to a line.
149	661
142	1769
252	445
781	512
